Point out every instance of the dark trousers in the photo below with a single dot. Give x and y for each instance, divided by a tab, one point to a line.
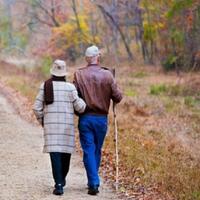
60	163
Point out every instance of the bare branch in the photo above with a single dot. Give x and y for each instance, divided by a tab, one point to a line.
106	13
50	14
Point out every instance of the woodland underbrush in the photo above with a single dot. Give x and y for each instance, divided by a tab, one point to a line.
159	130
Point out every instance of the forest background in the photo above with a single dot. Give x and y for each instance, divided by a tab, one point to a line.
154	46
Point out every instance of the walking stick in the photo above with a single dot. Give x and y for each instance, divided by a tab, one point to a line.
116	144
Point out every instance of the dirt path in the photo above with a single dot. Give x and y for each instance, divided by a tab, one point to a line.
25	172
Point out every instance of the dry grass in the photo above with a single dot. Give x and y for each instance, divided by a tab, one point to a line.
159	133
159	137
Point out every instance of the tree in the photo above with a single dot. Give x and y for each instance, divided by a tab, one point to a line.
13	35
109	13
47	12
182	31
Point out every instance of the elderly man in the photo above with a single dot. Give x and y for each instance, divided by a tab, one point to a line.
54	108
96	85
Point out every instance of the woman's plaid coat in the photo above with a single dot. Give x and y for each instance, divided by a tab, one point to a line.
58	117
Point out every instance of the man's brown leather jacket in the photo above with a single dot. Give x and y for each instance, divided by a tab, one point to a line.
96	85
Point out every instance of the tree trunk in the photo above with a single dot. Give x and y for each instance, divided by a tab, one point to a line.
7	5
144	48
78	24
115	35
119	30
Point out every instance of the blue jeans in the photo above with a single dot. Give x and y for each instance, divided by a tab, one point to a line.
92	129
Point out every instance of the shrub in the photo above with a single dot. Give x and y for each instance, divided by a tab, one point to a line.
196	195
140	74
130	93
169	63
175	90
158	89
189	101
45	66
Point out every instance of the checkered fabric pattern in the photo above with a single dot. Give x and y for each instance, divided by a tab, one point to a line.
58	117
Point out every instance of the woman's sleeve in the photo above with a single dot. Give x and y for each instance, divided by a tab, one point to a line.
38	106
78	103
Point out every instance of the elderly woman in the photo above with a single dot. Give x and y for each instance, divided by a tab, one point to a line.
54	109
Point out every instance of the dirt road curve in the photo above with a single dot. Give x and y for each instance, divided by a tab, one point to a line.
25	172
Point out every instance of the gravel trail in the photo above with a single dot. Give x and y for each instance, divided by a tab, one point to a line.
25	172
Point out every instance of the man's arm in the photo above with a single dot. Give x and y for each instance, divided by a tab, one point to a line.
75	82
116	92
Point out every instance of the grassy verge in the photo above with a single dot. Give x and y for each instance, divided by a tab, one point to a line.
151	160
153	164
158	130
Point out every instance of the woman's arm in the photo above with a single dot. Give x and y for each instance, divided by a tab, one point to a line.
78	103
39	105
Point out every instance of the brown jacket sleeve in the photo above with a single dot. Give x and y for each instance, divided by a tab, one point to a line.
75	82
116	93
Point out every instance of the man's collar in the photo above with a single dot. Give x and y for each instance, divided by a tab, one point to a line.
89	65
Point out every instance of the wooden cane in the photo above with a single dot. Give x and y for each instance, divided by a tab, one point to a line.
116	144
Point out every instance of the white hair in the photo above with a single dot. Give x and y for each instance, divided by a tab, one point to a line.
92	60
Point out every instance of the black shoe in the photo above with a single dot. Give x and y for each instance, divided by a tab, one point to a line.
58	190
64	183
93	191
